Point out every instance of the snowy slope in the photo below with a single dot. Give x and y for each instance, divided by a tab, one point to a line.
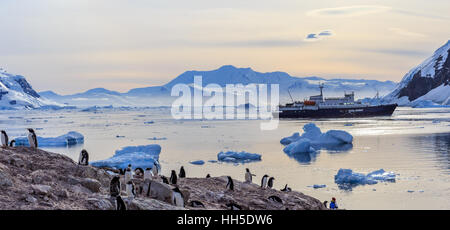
428	81
160	95
17	93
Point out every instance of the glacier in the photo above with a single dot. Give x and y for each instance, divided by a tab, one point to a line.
69	139
143	156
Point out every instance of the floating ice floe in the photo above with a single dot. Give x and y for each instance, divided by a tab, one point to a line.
143	156
199	162
238	157
157	138
149	122
346	178
316	186
69	139
313	139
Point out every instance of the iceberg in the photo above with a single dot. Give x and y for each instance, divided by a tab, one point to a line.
238	157
143	156
316	186
69	139
347	179
199	162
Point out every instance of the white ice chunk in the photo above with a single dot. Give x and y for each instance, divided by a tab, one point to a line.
143	156
238	157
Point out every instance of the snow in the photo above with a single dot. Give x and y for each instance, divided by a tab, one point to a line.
238	157
313	139
143	156
199	162
348	178
69	139
437	97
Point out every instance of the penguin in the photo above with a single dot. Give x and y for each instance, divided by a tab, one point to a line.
275	199
173	177
325	204
230	184
270	183
83	159
155	169
177	197
131	192
182	172
12	143
208	176
128	174
264	181
233	206
4	138
248	176
147	173
286	189
120	205
32	139
139	172
122	171
164	180
196	204
114	186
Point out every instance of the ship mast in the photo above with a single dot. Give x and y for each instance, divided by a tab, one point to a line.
321	89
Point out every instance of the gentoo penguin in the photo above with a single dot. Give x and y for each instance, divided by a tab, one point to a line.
248	176
286	189
208	176
182	172
139	172
4	138
173	177
177	197
196	204
164	180
12	143
230	184
131	192
148	174
325	204
120	205
264	181
32	139
114	186
233	206
155	169
276	199
270	182
128	174
83	159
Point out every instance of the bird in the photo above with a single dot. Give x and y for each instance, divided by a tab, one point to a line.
32	139
230	184
270	182
248	176
182	173
4	138
286	189
264	181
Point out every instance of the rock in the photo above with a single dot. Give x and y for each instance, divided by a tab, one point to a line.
151	204
5	180
102	204
40	176
30	199
91	184
41	189
160	191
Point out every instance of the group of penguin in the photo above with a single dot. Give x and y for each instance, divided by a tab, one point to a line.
32	139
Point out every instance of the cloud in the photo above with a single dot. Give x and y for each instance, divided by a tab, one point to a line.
318	36
406	33
348	11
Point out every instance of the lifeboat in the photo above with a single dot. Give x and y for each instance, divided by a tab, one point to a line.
309	103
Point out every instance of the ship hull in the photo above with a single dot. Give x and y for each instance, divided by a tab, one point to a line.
370	111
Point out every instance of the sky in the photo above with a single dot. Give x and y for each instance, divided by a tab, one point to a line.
74	45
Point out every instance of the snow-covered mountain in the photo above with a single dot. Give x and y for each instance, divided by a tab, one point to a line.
17	93
428	84
299	88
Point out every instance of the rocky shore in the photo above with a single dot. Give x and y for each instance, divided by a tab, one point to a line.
33	179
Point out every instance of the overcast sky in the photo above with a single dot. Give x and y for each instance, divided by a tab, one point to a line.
75	45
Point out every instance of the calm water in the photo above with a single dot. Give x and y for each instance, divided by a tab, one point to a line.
414	143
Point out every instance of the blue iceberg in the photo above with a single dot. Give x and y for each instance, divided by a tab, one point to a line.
143	156
346	178
238	157
69	139
199	162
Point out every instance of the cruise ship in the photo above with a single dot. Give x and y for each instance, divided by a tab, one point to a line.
333	107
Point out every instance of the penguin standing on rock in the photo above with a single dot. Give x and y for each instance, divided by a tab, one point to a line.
173	177
131	192
155	169
286	189
270	182
264	181
248	176
128	174
177	197
114	186
12	143
230	184
120	205
32	139
147	173
182	172
4	138
208	176
83	159
325	204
